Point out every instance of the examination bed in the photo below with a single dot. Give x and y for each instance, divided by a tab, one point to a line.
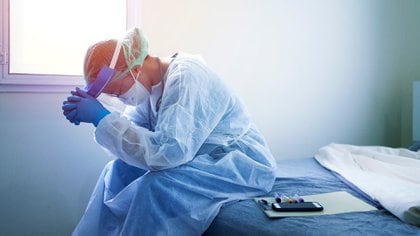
306	177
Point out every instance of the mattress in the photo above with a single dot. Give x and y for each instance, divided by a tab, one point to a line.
305	177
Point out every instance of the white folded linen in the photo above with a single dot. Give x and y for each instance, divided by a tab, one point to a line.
388	175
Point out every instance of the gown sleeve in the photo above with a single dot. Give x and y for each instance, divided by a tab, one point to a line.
193	102
139	115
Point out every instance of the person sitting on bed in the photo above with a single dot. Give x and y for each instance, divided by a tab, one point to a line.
185	144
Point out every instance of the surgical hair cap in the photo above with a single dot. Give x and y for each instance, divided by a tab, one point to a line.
135	50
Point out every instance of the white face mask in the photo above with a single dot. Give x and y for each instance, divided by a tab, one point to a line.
136	95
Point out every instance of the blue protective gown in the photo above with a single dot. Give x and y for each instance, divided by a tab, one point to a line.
179	159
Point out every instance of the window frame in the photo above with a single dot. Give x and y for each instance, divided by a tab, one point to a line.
19	82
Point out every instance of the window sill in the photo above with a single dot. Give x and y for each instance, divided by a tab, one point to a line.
40	83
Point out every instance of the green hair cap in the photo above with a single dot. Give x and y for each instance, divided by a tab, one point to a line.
135	47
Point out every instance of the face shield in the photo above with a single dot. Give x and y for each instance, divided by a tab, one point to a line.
135	50
104	75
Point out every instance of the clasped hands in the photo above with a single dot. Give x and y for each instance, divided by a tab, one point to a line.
81	107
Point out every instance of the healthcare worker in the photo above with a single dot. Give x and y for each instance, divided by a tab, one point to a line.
184	145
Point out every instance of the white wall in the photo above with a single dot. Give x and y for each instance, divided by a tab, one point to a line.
311	72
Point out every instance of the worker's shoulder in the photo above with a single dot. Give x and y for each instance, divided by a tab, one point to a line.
188	63
189	66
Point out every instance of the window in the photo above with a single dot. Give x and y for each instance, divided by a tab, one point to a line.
43	42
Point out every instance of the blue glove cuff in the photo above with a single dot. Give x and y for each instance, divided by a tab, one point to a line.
100	116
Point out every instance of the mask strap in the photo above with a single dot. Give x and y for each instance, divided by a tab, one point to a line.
135	77
115	56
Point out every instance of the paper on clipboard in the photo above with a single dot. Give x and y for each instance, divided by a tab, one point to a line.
333	203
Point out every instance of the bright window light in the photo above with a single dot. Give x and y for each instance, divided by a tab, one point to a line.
52	36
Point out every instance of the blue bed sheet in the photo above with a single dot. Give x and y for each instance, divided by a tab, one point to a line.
306	177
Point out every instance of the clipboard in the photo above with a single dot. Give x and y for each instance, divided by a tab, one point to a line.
333	203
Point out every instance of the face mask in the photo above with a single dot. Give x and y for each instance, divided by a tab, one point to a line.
136	95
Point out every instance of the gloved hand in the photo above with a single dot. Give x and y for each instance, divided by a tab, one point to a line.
81	107
69	108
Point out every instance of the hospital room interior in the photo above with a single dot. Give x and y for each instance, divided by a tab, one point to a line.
312	74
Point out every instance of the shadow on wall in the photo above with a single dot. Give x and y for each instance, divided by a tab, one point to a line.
49	167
